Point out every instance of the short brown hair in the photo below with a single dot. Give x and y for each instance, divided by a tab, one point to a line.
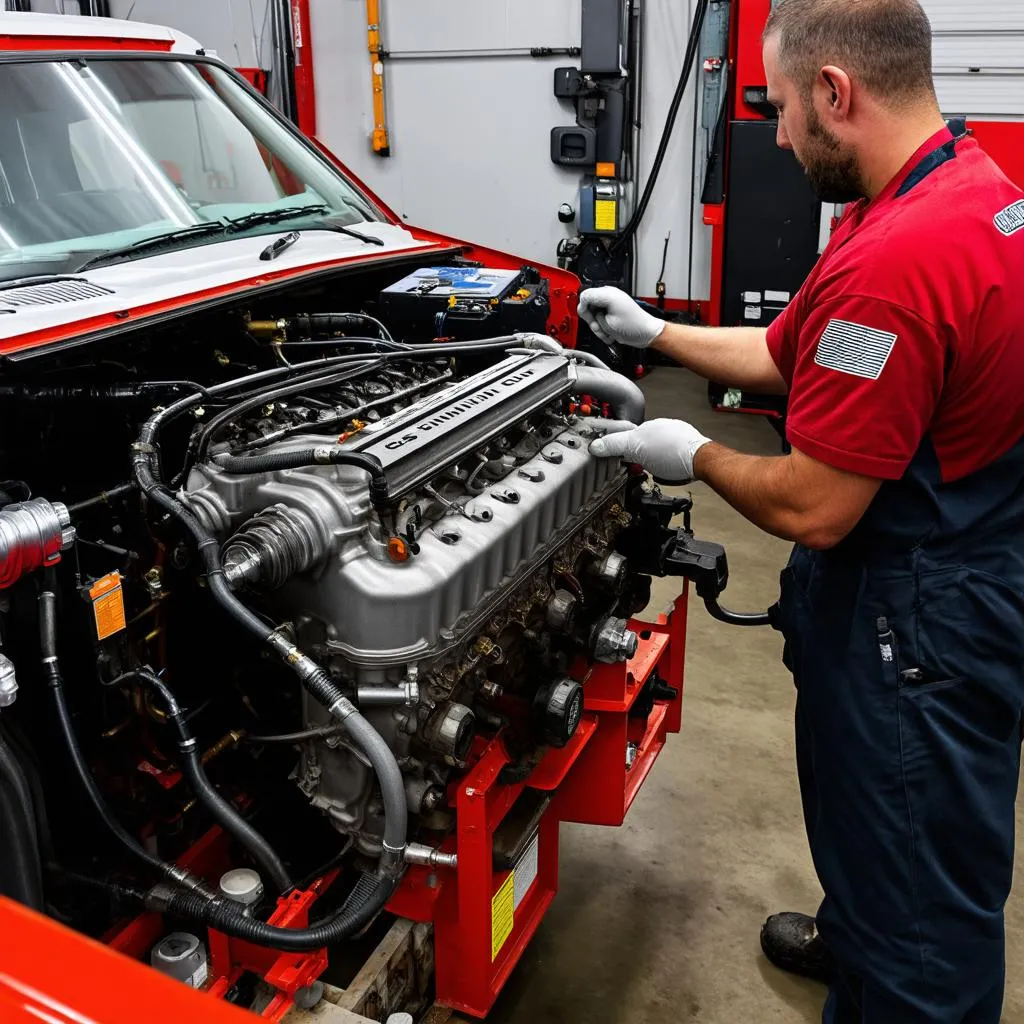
885	44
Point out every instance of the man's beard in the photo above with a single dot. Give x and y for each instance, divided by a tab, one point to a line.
832	171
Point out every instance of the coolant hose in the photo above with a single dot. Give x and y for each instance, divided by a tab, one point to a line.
313	678
220	809
542	343
365	902
625	398
51	669
321	455
21	874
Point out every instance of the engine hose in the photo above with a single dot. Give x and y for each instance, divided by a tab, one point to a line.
735	618
293	387
313	678
322	455
17	827
51	669
625	398
313	368
365	902
316	376
309	325
220	809
115	889
105	498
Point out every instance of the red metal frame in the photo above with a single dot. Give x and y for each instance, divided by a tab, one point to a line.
63	44
1004	142
256	77
746	66
305	84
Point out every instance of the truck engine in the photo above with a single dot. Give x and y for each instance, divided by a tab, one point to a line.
276	584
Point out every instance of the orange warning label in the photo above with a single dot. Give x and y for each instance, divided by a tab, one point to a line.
108	605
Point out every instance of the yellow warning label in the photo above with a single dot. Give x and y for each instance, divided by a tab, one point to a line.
108	605
605	214
503	912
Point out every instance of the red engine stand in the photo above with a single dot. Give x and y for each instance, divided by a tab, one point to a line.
484	918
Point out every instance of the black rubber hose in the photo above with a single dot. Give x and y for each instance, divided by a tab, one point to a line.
51	669
324	455
735	618
116	889
220	809
105	498
364	903
18	830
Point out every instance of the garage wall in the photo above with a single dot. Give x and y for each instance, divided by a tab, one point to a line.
470	134
979	57
237	29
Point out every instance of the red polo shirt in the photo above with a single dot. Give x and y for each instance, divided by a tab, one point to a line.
911	325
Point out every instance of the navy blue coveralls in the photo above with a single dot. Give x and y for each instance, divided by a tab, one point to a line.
906	644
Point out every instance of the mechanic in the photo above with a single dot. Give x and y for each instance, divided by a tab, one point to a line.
902	606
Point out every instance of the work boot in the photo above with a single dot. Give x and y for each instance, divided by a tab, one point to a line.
792	943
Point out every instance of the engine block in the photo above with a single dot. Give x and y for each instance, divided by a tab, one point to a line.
462	606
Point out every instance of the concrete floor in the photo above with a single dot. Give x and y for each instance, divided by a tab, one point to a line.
658	921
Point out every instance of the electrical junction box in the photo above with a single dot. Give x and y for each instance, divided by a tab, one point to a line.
602	207
466	302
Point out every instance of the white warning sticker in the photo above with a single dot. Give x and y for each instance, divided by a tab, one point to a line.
526	872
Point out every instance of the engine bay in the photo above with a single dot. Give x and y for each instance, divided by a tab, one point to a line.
299	562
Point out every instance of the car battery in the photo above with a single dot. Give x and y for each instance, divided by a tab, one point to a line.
466	302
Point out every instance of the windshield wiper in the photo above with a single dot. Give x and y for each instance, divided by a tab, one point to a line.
250	220
275	216
212	227
341	229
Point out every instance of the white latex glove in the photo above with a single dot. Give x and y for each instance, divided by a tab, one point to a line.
614	317
665	448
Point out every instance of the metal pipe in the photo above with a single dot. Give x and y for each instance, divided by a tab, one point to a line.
380	139
32	534
418	853
407	693
535	52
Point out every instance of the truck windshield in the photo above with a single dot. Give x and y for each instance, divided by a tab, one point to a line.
98	154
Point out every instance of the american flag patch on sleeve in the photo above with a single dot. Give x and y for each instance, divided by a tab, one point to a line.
855	349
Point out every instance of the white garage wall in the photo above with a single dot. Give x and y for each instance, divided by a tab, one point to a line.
231	27
470	137
979	57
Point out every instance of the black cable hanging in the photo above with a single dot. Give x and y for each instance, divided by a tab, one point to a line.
689	59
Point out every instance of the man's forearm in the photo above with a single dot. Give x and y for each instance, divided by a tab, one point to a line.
766	491
734	356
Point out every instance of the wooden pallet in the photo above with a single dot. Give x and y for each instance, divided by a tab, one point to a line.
397	977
